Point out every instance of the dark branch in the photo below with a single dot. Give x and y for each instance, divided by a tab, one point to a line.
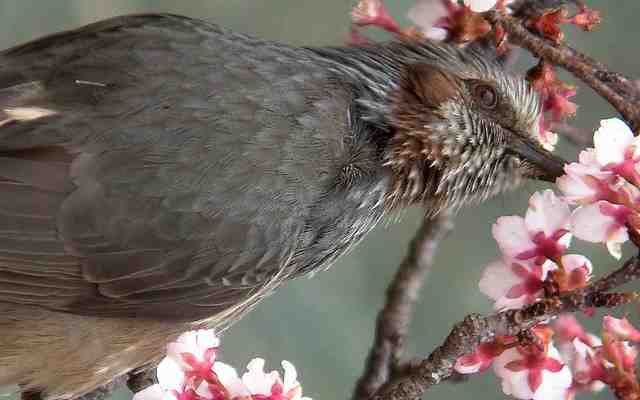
393	320
577	136
621	92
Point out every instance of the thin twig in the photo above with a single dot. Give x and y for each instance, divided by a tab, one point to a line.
393	320
617	89
476	329
575	135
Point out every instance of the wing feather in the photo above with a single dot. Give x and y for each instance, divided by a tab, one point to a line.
125	193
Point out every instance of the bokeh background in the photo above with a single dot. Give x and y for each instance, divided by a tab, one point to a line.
325	325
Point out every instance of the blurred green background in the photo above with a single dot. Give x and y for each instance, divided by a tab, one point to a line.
325	325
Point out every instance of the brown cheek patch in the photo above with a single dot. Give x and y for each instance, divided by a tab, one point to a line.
412	149
416	105
427	86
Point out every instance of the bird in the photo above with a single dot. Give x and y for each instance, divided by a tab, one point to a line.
161	173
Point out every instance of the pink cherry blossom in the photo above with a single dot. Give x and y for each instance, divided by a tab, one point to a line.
621	329
567	328
261	385
602	222
621	354
577	271
513	284
585	182
542	234
437	18
586	366
374	12
480	5
193	353
190	372
557	102
429	15
528	373
578	350
481	359
546	137
172	384
617	149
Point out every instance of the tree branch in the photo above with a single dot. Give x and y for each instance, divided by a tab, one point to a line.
621	92
476	329
394	318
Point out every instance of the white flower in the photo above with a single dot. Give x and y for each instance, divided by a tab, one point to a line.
257	382
513	284
426	14
614	142
542	234
480	5
602	222
526	375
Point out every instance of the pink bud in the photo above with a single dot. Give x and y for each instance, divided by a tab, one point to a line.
621	329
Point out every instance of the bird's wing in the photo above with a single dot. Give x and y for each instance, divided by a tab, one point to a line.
152	165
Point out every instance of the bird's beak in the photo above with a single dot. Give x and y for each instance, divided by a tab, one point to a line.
547	166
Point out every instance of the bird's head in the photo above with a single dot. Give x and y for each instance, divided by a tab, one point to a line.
462	129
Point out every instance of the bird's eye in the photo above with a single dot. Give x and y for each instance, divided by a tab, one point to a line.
486	96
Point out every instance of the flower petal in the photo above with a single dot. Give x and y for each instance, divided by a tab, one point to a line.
256	380
547	213
480	5
290	379
621	328
611	141
425	13
497	278
170	374
512	236
153	392
601	222
229	378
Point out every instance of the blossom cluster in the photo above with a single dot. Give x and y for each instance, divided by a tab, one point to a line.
561	359
190	371
574	361
461	21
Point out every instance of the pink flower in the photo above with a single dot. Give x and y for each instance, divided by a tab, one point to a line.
481	359
586	366
528	373
621	354
577	272
621	329
557	102
513	284
542	234
480	5
157	392
585	182
257	384
579	351
192	354
548	139
602	222
172	384
567	328
617	149
586	18
426	14
442	19
374	12
190	372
